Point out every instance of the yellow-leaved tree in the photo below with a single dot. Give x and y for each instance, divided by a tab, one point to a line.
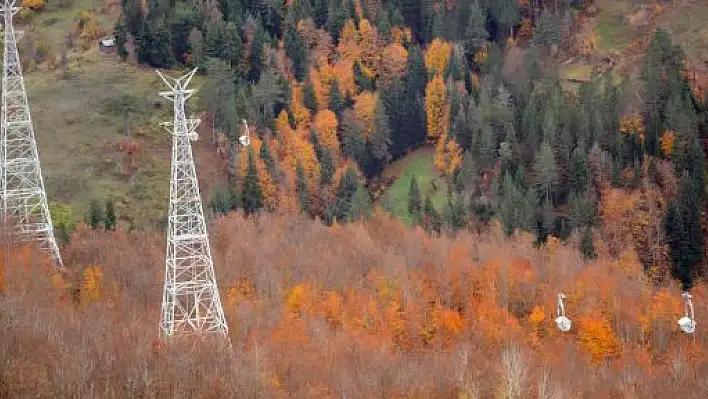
34	5
393	62
348	47
437	56
436	108
448	156
326	129
91	284
364	108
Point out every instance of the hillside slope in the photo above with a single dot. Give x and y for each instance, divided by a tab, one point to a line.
97	118
82	111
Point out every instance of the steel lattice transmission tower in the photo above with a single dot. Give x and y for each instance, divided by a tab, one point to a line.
191	299
24	200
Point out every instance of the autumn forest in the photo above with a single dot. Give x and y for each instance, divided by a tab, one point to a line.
332	286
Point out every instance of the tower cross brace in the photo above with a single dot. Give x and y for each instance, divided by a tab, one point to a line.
191	300
24	200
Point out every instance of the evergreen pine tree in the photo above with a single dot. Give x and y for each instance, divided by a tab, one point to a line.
251	194
267	158
346	190
308	96
320	12
255	58
587	247
579	171
233	48
336	103
158	50
683	231
380	138
121	33
475	33
295	48
415	202
382	25
362	81
432	220
315	141
110	221
361	203
326	167
96	216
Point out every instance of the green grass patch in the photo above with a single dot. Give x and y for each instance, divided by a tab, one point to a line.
578	71
80	116
78	122
688	24
613	33
420	164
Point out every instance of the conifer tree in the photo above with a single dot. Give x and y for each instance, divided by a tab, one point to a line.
336	103
320	12
587	247
475	32
96	216
362	81
251	194
295	48
380	138
344	196
308	96
121	33
233	48
255	59
579	172
382	25
316	145
267	157
415	202
326	167
432	220
361	203
683	231
110	220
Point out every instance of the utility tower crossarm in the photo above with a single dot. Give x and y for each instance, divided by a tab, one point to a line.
24	199
191	302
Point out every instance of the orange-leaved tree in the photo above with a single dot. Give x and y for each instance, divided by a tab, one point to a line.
598	338
667	141
436	108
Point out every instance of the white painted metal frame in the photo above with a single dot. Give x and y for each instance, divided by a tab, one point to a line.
24	199
191	298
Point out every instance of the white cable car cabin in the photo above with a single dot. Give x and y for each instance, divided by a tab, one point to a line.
687	323
562	322
245	140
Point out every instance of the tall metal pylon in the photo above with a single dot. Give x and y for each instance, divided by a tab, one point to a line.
190	301
24	200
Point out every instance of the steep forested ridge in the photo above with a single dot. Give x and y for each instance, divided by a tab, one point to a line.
340	90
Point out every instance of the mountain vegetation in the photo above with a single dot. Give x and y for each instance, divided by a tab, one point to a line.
423	178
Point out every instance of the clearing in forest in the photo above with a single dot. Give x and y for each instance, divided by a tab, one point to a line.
420	164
